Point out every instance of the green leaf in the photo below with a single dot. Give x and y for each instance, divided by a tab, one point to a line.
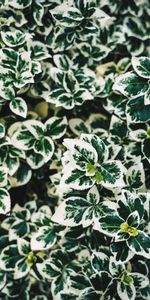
19	107
134	27
133	219
140	280
128	203
4	201
126	291
9	257
19	229
147	97
67	16
3	279
39	51
20	4
76	179
3	176
9	58
130	85
99	261
78	126
44	239
98	145
141	66
35	127
21	269
23	139
13	39
146	148
109	224
22	176
23	247
56	127
121	251
76	211
7	92
35	160
38	12
140	244
82	152
137	111
112	172
136	176
2	130
45	147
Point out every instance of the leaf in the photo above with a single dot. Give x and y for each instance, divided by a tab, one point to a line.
3	176
82	152
19	107
21	4
147	97
133	219
62	61
7	92
44	239
112	172
35	127
146	148
12	165
21	269
35	160
70	212
93	195
2	130
22	175
140	280
136	176
76	179
99	261
38	50
9	58
8	258
19	229
45	147
38	12
4	201
3	279
125	291
56	127
140	244
134	27
130	85
121	252
23	70
130	203
109	224
48	269
67	16
98	145
137	111
141	66
13	39
23	139
78	126
23	247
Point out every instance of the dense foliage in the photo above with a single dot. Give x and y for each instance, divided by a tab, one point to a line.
75	149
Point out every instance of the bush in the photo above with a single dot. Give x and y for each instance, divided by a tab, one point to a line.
75	150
